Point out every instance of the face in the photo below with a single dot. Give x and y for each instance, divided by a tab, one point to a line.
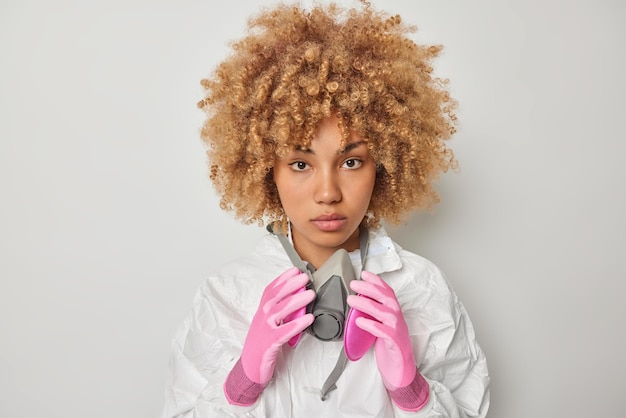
325	191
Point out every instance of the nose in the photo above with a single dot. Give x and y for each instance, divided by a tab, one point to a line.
327	188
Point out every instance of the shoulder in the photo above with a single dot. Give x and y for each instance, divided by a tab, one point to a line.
421	271
422	282
242	280
267	257
402	267
419	283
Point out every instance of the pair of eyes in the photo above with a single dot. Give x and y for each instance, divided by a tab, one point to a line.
350	164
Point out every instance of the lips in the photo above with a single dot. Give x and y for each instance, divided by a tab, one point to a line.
330	222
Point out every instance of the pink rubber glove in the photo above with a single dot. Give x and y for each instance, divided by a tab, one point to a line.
267	334
294	315
393	350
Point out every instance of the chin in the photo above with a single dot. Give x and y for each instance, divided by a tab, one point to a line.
334	239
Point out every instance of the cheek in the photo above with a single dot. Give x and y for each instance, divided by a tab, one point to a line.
370	182
289	194
362	190
280	181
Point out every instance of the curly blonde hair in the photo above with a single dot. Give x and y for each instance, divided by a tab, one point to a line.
295	67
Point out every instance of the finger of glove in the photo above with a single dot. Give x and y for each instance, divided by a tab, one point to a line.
375	279
283	286
374	309
368	289
375	288
288	330
298	312
289	305
376	328
283	278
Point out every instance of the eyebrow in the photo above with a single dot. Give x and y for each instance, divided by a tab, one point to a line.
347	149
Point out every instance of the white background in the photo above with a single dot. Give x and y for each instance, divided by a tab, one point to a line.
108	222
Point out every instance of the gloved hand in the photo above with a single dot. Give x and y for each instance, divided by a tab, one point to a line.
393	350
266	335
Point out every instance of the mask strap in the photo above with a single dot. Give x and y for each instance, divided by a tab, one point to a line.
329	385
291	252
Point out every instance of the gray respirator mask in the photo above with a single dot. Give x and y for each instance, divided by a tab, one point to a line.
331	283
334	319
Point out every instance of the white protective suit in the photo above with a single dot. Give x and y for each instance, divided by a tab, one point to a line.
210	340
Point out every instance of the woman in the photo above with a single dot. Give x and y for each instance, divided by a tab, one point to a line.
321	124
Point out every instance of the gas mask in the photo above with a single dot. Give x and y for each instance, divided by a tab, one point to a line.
334	320
331	283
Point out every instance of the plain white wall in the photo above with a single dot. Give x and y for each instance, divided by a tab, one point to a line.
108	222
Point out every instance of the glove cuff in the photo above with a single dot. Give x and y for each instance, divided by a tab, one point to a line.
414	396
239	389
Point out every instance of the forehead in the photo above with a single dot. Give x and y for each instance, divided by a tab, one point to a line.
330	137
327	130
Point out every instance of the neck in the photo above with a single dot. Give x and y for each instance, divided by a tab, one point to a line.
317	255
